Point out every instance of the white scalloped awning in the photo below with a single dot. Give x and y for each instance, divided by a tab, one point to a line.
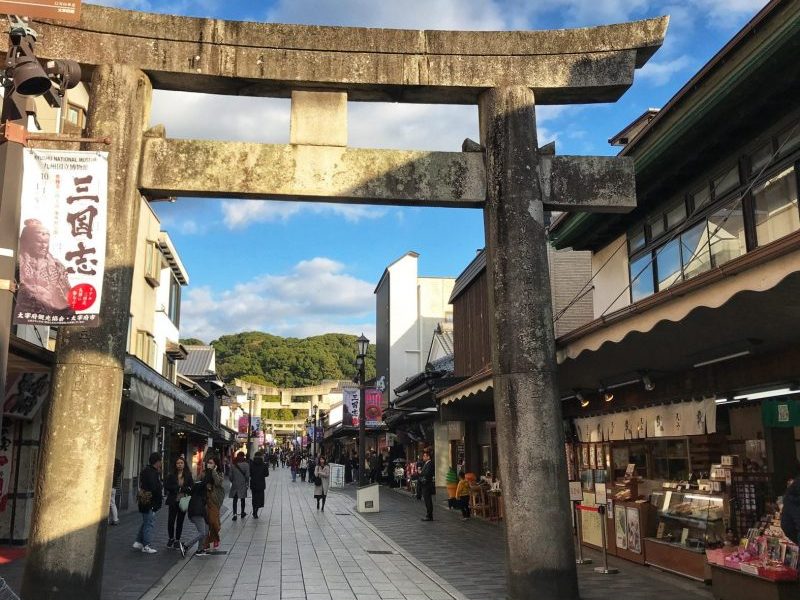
479	382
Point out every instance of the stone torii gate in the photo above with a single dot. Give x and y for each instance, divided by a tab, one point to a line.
320	68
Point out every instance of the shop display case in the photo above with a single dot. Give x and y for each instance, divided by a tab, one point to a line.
688	523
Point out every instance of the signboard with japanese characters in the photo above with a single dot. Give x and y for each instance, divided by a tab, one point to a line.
62	10
25	395
350	403
62	242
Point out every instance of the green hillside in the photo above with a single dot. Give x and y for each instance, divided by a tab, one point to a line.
288	362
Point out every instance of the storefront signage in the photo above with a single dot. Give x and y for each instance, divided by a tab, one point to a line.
600	494
62	242
61	10
337	475
25	395
243	422
575	491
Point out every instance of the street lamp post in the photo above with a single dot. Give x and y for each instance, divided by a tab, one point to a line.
314	431
361	361
249	419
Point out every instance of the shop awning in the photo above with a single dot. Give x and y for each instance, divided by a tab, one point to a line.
750	305
481	381
152	391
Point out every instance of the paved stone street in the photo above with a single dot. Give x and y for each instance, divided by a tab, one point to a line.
470	555
295	552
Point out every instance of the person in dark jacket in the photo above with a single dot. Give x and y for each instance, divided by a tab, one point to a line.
790	515
197	516
240	477
259	471
427	484
177	485
149	500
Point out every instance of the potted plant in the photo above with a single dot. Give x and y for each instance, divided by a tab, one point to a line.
451	481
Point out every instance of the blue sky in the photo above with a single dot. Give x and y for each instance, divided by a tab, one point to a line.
302	269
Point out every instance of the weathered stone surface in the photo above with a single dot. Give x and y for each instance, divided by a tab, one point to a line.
318	118
587	183
267	59
527	408
319	173
67	541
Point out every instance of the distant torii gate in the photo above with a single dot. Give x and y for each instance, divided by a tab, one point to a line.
320	68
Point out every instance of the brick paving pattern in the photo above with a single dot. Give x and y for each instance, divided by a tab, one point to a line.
294	552
471	555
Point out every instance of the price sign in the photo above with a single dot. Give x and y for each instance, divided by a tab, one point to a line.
60	10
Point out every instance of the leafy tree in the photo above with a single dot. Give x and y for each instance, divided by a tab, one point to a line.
192	342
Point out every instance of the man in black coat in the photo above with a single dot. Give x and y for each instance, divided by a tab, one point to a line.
426	481
150	499
790	516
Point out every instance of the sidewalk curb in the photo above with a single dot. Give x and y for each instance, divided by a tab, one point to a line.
165	580
442	583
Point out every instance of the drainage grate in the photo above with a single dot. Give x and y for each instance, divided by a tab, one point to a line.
380	552
343	514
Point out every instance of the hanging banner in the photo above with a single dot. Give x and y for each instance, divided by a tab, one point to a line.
243	423
350	403
25	395
373	407
62	242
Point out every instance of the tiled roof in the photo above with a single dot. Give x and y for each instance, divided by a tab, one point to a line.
197	362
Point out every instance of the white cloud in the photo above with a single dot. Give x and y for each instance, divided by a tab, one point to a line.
242	213
409	14
661	72
316	296
728	13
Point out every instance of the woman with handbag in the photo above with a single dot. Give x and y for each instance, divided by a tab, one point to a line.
259	472
177	485
322	474
215	496
240	478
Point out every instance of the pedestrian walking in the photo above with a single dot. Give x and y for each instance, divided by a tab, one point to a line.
294	466
427	483
149	499
116	483
790	515
177	485
215	496
322	474
462	494
240	480
259	471
197	517
374	466
303	467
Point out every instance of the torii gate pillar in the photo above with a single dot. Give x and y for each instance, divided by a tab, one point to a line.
539	550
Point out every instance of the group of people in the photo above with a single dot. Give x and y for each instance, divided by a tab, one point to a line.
201	501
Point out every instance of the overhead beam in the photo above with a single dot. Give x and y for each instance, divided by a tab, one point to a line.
319	173
593	64
211	169
588	183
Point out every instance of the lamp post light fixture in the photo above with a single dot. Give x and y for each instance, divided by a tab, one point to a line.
250	396
362	344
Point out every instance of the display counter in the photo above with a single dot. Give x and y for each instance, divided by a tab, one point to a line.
732	584
688	523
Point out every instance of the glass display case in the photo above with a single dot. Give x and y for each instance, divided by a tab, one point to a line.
692	520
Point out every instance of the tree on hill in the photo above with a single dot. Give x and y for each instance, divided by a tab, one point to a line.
289	362
192	342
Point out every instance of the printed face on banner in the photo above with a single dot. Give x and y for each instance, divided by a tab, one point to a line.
62	242
373	407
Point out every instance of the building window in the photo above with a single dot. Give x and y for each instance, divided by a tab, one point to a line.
695	254
726	182
152	263
668	264
168	368
641	278
726	233
75	115
775	203
174	313
146	347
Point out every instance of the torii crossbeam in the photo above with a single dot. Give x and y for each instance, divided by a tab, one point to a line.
503	73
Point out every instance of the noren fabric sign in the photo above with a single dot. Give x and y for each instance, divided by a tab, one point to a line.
62	242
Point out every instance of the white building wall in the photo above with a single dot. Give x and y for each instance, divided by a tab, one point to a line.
612	279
